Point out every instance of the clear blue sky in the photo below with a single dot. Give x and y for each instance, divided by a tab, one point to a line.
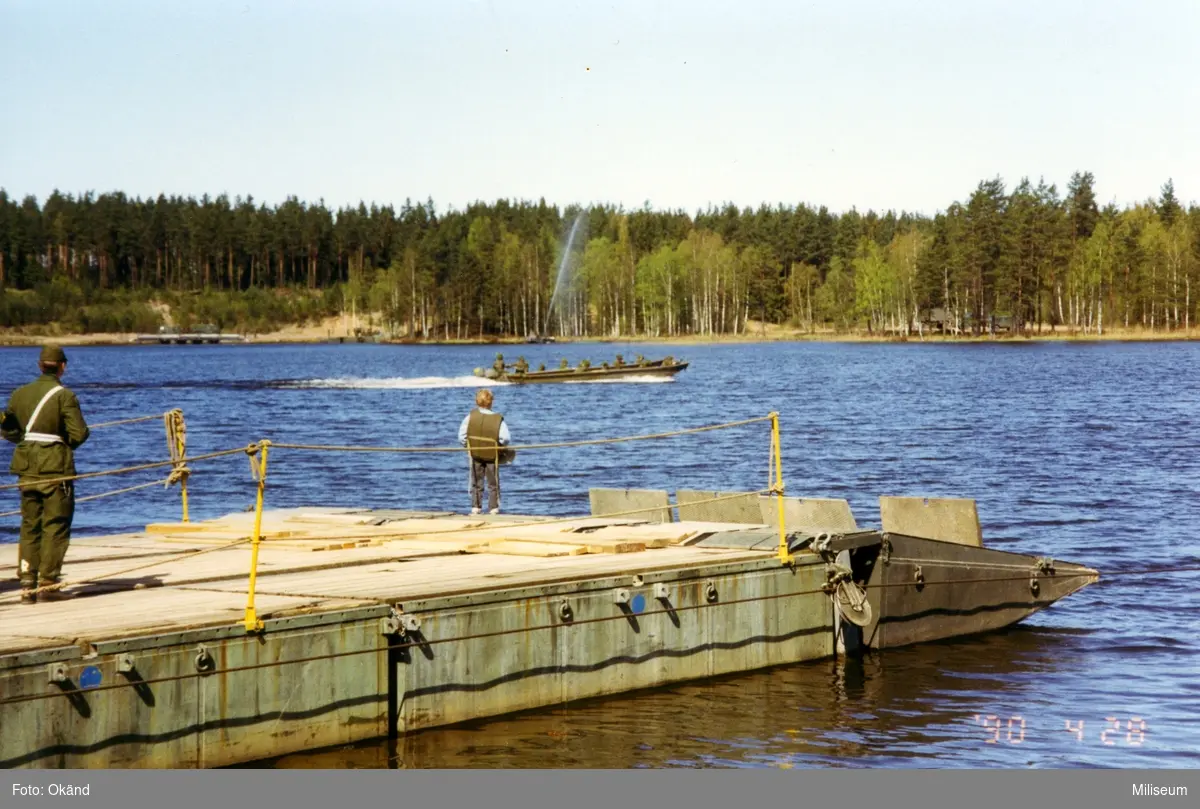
873	104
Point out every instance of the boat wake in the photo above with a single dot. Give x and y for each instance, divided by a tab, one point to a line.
431	382
398	383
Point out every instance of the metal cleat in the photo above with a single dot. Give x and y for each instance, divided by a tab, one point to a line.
204	660
389	624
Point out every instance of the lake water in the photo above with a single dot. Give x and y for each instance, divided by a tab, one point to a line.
1088	453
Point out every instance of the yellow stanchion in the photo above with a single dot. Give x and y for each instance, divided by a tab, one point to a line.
252	623
776	486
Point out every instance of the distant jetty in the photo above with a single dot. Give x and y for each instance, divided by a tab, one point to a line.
168	335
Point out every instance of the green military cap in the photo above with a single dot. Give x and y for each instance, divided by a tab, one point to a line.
52	353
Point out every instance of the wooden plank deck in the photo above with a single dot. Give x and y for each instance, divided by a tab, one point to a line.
324	560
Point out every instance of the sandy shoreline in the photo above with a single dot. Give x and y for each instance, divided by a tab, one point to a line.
341	329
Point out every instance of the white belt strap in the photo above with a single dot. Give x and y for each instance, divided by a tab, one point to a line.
42	438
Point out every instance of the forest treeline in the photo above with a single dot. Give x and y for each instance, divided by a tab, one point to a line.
1025	258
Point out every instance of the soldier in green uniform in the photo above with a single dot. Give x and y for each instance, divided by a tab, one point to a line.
498	365
44	420
522	366
562	366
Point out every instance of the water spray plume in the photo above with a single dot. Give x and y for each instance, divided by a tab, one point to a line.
564	267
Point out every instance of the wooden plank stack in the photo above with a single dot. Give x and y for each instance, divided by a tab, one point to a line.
515	535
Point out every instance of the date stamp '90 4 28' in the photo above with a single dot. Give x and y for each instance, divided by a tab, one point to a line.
1129	732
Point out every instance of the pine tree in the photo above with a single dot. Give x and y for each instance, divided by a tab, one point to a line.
1081	205
1168	206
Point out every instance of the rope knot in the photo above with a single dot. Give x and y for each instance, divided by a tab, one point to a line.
176	434
252	456
178	475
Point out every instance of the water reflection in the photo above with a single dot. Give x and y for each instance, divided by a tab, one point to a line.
904	707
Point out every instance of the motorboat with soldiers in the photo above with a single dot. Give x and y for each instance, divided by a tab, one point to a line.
521	372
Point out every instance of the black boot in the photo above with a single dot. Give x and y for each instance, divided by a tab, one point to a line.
54	591
28	594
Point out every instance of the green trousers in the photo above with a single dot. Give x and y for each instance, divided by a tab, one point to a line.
46	515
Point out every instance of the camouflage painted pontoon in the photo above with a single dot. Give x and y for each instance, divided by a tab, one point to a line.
522	374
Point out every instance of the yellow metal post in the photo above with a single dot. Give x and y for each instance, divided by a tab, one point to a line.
777	487
252	623
185	507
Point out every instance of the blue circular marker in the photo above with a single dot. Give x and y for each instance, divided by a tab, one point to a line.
639	603
90	677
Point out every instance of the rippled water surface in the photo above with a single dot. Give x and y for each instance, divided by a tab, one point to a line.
1087	453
